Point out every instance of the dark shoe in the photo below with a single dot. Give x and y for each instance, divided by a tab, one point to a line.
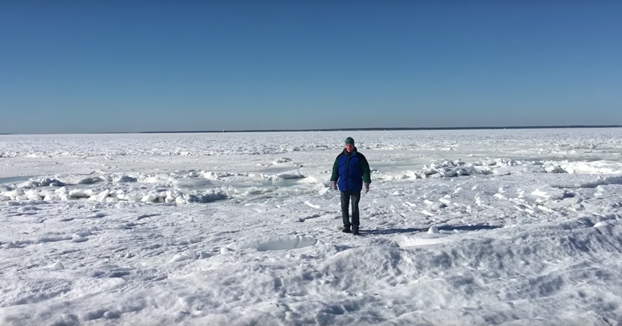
355	231
346	229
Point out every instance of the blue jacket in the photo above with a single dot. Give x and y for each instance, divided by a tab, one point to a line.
350	171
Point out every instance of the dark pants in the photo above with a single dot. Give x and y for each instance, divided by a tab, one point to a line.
345	202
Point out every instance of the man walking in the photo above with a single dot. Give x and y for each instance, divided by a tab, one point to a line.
350	173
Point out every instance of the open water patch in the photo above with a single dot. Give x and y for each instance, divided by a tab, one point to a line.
14	179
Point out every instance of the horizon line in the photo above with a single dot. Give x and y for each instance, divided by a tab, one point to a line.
332	129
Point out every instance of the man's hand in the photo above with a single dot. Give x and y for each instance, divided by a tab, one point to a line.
333	185
366	187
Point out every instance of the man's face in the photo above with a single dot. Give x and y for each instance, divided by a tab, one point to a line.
349	148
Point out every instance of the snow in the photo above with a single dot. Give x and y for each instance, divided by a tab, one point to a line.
480	227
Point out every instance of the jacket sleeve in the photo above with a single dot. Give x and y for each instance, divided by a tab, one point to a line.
365	169
335	174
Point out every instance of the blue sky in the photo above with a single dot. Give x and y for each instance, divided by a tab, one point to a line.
108	66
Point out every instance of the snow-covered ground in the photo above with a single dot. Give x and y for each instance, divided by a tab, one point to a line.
487	227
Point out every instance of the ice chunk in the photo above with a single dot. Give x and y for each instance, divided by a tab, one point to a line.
101	197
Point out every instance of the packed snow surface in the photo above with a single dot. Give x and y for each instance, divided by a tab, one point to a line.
486	227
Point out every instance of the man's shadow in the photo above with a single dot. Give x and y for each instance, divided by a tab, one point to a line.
443	228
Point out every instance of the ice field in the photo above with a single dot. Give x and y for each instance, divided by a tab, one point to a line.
461	227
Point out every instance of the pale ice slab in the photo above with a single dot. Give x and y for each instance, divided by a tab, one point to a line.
503	227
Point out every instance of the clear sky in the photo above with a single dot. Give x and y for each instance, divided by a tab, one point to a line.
97	66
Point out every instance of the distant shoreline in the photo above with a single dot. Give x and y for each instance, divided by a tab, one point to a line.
339	129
